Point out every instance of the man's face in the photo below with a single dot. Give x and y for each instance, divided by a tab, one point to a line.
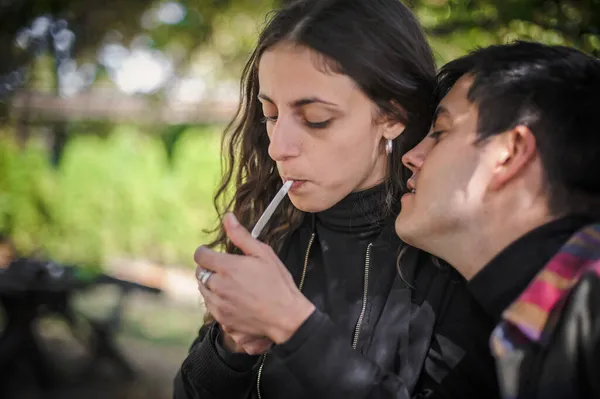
450	177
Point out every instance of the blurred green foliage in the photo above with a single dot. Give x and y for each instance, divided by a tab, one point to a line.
92	20
227	29
112	196
457	26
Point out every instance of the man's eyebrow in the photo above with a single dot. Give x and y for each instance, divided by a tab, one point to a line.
439	111
300	102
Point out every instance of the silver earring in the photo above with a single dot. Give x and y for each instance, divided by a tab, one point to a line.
389	146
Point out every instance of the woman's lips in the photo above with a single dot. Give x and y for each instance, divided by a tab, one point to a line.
296	185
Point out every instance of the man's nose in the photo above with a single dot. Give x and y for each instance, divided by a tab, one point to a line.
414	158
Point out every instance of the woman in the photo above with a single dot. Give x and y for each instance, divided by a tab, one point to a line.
334	93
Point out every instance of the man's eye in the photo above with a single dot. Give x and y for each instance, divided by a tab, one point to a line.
436	135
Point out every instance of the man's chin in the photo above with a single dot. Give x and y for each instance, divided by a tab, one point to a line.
407	231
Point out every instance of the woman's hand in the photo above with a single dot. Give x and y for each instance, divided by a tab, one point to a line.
244	343
252	294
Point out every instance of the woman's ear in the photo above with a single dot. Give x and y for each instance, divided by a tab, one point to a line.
392	127
392	130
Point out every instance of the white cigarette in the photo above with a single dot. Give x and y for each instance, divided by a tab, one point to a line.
264	218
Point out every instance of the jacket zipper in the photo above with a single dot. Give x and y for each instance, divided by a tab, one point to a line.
361	316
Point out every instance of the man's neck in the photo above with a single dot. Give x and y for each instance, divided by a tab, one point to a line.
472	249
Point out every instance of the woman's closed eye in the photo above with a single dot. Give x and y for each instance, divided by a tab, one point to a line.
315	116
312	125
266	119
318	125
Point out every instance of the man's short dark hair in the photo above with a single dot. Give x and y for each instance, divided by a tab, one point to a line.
555	91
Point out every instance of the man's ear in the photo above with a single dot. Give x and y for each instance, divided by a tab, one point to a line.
513	152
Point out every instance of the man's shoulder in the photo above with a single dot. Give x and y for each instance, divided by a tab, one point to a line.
584	245
578	322
586	293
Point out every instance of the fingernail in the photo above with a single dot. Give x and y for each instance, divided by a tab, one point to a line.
198	252
232	220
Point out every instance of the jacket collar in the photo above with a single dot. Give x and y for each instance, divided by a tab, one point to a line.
529	313
506	276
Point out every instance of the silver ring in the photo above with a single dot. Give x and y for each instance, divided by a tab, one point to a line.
204	275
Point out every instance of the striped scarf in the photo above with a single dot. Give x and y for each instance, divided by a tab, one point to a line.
525	319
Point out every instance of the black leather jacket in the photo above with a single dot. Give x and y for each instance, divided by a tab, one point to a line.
568	365
564	362
422	334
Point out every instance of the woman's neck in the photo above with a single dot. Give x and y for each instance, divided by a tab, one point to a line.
364	211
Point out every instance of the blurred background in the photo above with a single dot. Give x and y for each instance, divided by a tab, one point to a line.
110	120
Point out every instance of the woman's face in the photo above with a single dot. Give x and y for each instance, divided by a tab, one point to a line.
324	131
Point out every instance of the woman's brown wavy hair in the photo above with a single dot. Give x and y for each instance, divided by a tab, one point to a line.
377	43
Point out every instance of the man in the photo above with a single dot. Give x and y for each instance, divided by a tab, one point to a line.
506	188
